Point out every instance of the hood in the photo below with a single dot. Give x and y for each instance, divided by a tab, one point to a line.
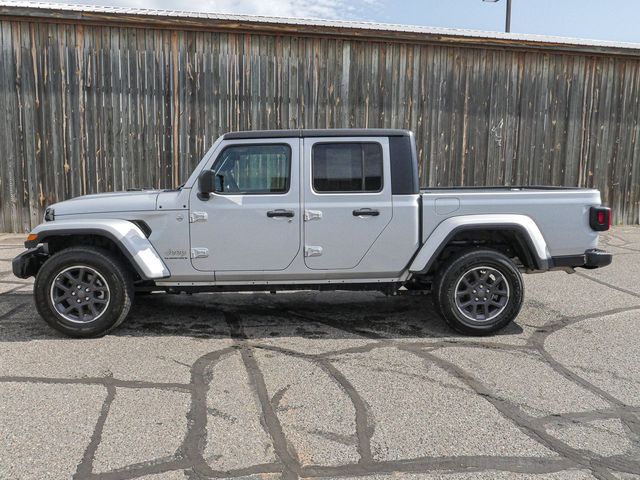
108	202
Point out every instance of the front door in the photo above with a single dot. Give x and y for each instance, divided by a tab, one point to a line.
347	199
252	221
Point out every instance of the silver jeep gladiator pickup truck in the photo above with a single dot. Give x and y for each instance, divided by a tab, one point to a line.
309	209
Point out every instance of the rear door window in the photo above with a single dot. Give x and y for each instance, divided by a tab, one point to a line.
347	167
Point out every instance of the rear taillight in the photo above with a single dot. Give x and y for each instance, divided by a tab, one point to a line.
600	218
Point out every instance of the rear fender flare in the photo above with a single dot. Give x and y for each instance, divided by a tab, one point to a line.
445	231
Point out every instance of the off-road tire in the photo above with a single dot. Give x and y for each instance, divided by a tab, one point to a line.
449	286
112	270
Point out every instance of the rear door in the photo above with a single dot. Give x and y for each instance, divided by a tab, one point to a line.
347	199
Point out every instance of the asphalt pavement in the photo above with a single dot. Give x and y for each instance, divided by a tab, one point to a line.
329	385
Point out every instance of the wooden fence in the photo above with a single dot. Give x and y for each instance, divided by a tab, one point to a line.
90	107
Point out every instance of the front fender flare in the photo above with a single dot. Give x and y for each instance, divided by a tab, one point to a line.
131	241
446	230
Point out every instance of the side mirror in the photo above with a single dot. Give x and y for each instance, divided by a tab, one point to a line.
207	183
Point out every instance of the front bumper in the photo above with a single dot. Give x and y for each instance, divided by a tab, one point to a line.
28	263
591	259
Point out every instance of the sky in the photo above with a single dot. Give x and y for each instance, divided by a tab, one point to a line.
615	20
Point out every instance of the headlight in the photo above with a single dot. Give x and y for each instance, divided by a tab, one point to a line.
49	215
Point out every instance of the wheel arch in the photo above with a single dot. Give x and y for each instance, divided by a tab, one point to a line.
120	236
518	232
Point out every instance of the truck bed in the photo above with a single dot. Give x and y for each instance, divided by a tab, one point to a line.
561	213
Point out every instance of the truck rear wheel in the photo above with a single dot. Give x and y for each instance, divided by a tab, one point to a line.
83	291
479	292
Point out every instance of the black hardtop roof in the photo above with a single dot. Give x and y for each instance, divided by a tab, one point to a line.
329	132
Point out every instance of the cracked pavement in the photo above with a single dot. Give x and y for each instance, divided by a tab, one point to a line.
329	385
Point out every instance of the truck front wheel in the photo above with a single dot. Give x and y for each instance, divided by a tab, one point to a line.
83	291
479	292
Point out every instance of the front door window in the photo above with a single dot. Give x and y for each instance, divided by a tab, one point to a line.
254	169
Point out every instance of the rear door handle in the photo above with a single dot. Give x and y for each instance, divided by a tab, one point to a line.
280	213
366	212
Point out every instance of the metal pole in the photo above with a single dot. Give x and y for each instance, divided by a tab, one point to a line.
507	27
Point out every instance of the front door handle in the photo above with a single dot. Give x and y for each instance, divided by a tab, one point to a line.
280	213
366	212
